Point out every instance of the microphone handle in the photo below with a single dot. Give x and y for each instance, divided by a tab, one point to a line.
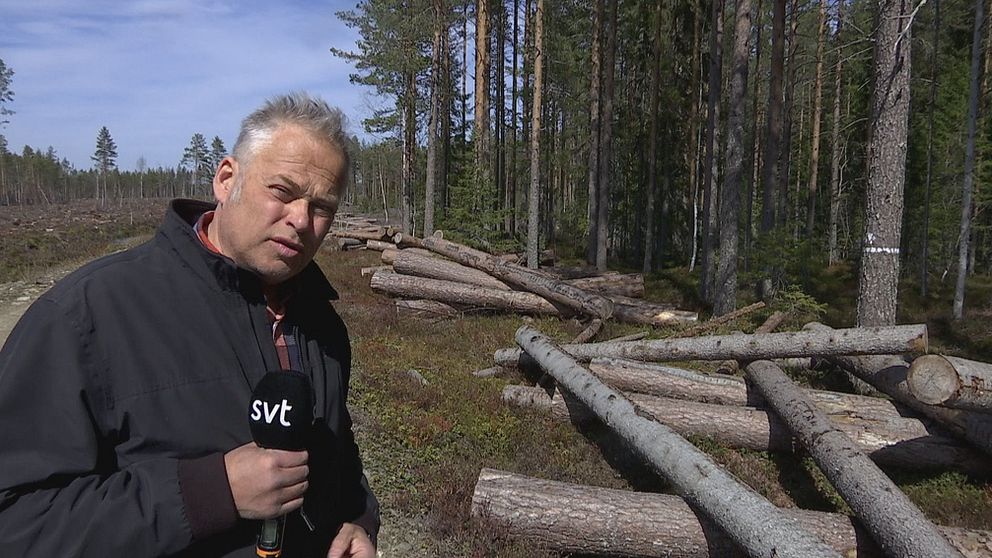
269	543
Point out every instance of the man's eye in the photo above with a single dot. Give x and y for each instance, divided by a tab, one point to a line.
324	212
281	192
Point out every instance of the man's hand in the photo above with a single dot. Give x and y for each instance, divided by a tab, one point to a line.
351	542
266	483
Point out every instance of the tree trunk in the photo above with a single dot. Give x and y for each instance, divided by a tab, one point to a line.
773	138
629	285
892	442
547	287
725	297
571	518
755	146
889	374
480	128
649	217
722	389
421	308
433	128
964	239
835	146
814	154
886	160
595	110
409	148
533	211
606	140
511	216
408	262
693	149
708	271
894	521
952	382
854	341
471	296
751	521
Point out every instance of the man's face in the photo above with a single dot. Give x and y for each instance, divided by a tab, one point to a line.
284	201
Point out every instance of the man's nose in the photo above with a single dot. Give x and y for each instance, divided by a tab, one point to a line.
298	214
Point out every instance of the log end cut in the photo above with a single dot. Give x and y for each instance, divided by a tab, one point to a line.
933	380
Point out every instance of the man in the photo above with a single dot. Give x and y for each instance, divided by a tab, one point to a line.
124	390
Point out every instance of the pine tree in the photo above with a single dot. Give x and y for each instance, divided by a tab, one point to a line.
196	158
217	152
105	159
6	95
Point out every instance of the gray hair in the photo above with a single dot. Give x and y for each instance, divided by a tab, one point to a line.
299	108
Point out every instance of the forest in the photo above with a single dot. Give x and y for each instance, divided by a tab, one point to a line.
751	141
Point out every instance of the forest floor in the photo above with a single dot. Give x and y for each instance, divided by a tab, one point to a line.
424	444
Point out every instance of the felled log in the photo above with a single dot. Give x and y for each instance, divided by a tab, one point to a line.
629	284
898	526
426	308
345	243
589	332
750	520
366	271
648	313
450	292
379	245
551	289
854	341
572	518
722	319
678	383
889	374
731	366
405	240
898	442
952	382
389	255
361	234
409	262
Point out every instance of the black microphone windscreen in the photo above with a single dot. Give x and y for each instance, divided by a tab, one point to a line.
281	410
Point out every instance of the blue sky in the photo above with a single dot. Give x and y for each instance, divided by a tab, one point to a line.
156	71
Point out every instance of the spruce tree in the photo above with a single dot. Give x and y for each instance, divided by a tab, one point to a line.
196	158
217	152
104	159
6	95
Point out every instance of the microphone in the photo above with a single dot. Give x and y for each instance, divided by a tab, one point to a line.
280	417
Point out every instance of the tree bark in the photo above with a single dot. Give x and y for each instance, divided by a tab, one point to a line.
434	127
606	140
646	313
712	156
835	145
722	389
889	374
814	155
964	239
421	308
533	211
952	382
594	132
750	520
551	289
449	292
409	148
892	442
854	341
584	519
773	138
725	297
652	144
898	526
931	109
886	160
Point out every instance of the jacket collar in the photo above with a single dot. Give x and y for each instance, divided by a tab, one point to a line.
220	271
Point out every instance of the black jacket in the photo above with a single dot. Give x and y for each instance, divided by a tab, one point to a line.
123	386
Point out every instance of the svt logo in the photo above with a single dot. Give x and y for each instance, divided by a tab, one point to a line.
260	409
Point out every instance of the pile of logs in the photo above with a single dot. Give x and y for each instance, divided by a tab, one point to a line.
437	277
938	418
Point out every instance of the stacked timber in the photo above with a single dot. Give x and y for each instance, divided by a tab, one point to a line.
656	407
465	279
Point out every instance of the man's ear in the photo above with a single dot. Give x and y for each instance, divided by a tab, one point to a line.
224	178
